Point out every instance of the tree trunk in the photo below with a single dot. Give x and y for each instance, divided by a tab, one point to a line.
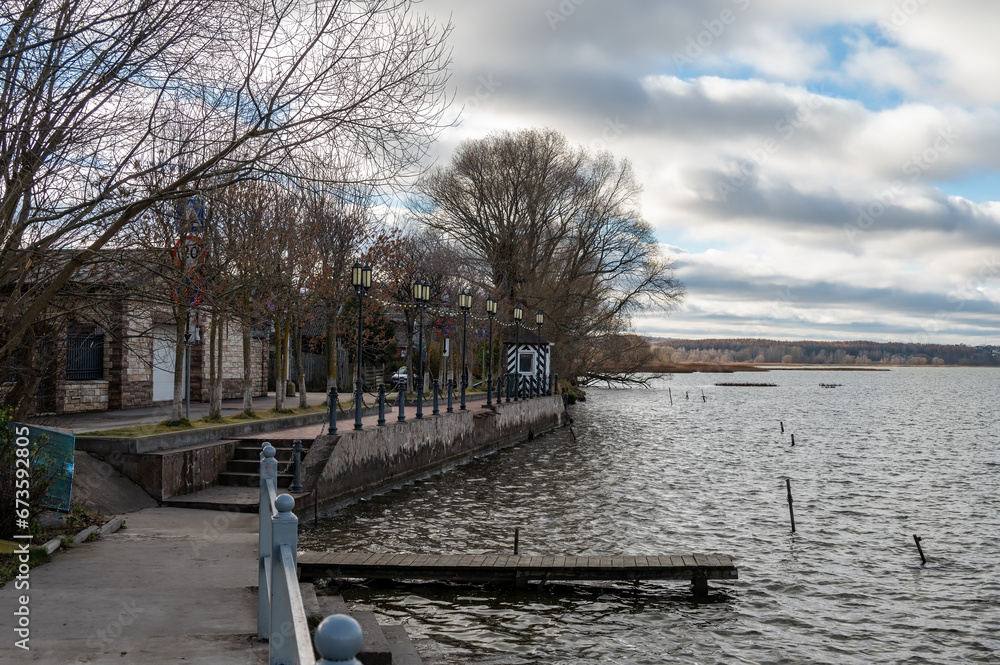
331	352
279	366
300	369
215	400
177	410
247	373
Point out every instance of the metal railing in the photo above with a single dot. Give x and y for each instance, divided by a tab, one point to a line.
281	617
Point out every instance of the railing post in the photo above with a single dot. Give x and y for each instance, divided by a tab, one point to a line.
451	398
338	640
297	477
437	388
555	383
499	393
284	531
334	401
268	470
381	404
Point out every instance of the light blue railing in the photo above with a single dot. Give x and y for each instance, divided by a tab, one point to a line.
281	618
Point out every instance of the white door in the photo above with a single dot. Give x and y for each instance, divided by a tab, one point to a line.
163	363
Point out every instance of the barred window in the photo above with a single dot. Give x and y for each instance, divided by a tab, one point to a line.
85	356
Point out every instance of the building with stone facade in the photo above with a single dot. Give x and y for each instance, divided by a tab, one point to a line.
128	361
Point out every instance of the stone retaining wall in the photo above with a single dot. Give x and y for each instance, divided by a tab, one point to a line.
358	461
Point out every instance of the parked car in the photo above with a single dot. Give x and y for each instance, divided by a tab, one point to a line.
398	377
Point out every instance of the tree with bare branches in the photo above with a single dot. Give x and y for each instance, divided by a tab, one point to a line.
557	228
97	94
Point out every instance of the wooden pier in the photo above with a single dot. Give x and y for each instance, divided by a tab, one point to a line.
518	570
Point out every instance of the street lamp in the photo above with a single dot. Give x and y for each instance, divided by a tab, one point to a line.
518	315
491	311
361	278
539	320
421	293
465	302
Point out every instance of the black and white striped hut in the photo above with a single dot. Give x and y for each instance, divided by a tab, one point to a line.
530	360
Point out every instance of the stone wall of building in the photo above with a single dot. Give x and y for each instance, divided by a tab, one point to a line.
85	396
129	358
232	363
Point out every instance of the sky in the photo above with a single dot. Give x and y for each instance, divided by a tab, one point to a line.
817	170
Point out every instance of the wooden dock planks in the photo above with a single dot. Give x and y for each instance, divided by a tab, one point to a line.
515	569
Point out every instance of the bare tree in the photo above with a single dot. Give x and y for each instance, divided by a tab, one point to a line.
555	227
97	94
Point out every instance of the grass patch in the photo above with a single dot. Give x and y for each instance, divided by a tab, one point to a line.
169	427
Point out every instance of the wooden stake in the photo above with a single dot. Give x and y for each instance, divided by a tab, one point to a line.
923	559
517	533
793	439
670	396
791	512
703	398
782	427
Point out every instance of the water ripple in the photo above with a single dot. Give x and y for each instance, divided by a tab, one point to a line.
884	456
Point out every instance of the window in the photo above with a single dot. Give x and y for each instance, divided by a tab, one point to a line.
84	356
526	362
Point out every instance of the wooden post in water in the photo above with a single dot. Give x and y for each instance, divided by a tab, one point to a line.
517	532
923	559
703	398
791	513
793	439
782	426
670	396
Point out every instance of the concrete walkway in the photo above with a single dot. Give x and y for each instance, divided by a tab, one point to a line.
175	586
151	415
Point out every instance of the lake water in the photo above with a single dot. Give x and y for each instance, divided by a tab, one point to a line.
881	457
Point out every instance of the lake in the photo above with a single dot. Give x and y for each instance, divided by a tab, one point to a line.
880	457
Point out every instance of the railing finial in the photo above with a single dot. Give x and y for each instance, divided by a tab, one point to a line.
268	450
338	640
284	503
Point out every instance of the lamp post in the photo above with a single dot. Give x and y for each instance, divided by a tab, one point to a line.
518	315
361	278
539	320
465	302
491	311
421	293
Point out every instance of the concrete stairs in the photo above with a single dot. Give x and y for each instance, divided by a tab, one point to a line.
243	470
382	645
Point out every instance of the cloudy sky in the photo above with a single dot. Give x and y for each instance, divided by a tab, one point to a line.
818	170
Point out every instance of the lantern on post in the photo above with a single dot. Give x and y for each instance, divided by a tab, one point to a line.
539	320
361	279
465	303
518	315
491	311
421	294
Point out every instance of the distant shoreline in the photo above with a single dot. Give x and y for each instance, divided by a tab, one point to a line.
731	368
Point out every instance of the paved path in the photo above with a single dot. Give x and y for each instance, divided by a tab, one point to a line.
175	586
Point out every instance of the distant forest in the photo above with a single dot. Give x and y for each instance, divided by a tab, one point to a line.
820	353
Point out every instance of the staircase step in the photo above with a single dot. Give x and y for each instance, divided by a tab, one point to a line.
310	603
245	479
403	651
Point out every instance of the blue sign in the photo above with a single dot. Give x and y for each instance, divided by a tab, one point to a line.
54	449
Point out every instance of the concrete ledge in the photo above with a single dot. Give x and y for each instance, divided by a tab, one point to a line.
108	445
83	535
